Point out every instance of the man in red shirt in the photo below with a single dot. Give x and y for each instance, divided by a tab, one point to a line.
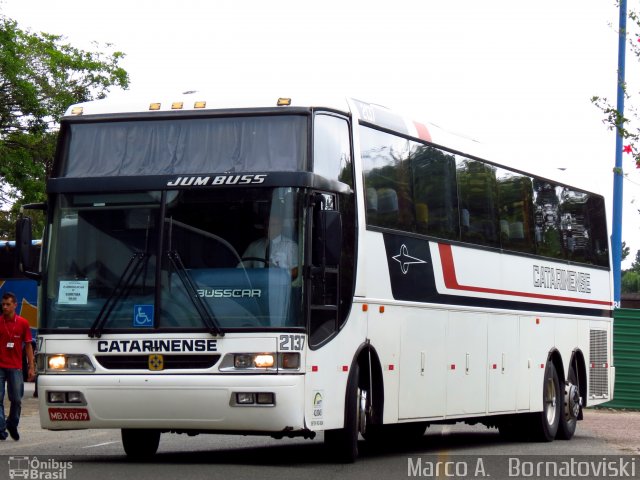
14	333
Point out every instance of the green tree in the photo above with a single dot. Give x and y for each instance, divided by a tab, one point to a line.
625	251
40	76
627	126
635	266
630	278
630	282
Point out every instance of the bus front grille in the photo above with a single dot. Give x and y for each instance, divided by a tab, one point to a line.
170	362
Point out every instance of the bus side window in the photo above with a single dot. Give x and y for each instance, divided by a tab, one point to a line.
387	172
515	195
435	193
478	195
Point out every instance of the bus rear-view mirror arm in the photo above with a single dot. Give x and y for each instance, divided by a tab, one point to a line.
23	247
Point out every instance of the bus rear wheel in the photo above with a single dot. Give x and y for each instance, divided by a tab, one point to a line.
140	443
571	407
544	425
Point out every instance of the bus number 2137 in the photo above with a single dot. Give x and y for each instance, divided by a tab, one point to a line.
291	342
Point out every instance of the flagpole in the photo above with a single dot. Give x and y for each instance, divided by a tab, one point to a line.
616	224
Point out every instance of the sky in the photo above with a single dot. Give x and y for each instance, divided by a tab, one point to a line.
516	76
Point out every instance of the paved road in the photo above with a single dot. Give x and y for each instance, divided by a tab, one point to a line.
98	454
619	429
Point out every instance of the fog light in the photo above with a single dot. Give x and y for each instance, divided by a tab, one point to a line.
245	398
265	398
55	397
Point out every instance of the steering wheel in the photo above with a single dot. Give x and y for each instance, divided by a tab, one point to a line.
255	259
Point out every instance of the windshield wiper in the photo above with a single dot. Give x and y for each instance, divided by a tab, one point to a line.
202	308
131	272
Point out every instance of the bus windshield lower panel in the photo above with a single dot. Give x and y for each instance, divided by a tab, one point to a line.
176	260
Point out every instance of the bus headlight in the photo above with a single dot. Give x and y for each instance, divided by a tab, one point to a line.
69	363
251	360
264	361
267	361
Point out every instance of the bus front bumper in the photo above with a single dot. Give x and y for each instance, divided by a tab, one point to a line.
173	402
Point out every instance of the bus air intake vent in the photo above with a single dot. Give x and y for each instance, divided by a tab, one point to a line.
598	365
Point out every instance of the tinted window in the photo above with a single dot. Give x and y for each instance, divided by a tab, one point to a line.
477	192
546	199
387	171
434	188
582	221
420	188
515	196
332	149
202	145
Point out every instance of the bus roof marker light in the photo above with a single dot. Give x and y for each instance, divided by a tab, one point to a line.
284	102
200	104
154	106
177	105
77	111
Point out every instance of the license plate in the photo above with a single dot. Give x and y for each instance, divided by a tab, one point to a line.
68	414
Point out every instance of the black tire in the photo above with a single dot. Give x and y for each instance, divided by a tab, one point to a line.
544	425
342	443
570	406
140	444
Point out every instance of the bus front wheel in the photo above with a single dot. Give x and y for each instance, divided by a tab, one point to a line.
140	443
342	443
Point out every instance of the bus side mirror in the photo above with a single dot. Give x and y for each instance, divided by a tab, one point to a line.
327	245
23	247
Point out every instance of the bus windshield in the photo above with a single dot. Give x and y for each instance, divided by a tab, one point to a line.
189	259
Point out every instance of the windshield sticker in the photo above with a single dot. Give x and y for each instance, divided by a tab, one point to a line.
143	315
73	292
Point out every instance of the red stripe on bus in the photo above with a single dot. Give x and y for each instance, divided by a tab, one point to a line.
423	131
451	282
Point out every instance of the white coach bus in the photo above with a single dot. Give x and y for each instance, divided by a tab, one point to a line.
405	282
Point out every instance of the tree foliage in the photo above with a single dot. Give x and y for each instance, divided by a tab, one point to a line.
631	277
40	76
627	125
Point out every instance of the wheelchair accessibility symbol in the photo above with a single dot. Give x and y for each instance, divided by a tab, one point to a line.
143	315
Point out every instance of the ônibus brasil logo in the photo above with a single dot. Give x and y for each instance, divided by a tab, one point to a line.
34	468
